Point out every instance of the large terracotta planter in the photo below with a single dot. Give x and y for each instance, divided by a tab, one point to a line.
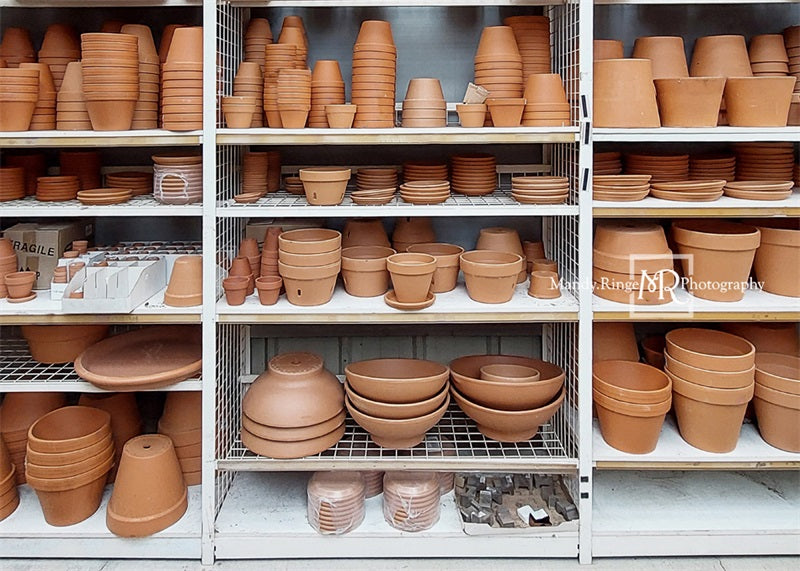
126	422
397	433
689	101
777	260
718	257
624	94
759	101
778	415
778	372
364	232
630	427
54	344
709	377
490	276
412	275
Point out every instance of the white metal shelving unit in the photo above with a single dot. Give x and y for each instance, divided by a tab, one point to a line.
143	138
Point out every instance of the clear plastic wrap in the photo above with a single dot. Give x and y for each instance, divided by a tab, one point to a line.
335	502
446	481
374	483
411	500
178	184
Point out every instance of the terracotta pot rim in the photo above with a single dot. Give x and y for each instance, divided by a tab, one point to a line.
776	397
398	422
639	410
605	385
711	395
553	404
710	376
742	360
101	425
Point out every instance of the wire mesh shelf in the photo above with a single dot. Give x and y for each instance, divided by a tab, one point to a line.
144	205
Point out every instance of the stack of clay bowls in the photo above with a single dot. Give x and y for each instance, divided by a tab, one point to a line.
57	188
249	82
125	419
540	189
257	36
622	252
150	493
182	81
374	75
269	253
12	183
498	63
19	92
764	161
294	97
110	69
44	114
717	256
69	455
145	115
545	101
178	178
309	261
631	400
71	112
8	257
533	40
509	403
335	502
620	187
688	190
293	33
412	276
777	400
411	500
759	190
182	422
607	163
277	57
293	409
719	166
325	186
425	170
138	182
712	377
791	38
662	167
9	498
83	164
17	47
396	400
424	105
327	88
624	94
425	191
473	174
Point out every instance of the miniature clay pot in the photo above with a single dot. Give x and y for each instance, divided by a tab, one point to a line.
491	276
364	270
364	232
471	115
150	493
544	285
308	286
624	94
238	111
398	381
778	416
632	428
448	264
780	243
759	101
240	266
397	433
711	350
269	289
235	289
631	382
185	287
412	275
689	101
666	53
20	284
340	116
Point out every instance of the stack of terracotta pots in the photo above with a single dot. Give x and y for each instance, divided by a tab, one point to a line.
533	39
396	400
473	174
182	81
248	248
501	239
44	114
257	36
240	281
712	377
69	455
425	192
9	498
777	399
294	97
768	56
309	261
71	111
19	92
764	161
60	46
145	115
34	165
717	257
327	88
249	82
277	57
110	69
545	101
182	422
720	56
12	184
498	63
375	178
540	189
148	469
57	188
791	38
424	105
780	243
269	253
8	256
17	47
293	409
614	342
374	75
336	502
125	420
508	397
293	32
178	179
662	167
627	256
624	94
632	400
411	500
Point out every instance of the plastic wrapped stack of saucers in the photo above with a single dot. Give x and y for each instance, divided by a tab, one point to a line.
759	189
688	190
374	75
56	188
335	502
12	183
178	179
720	166
374	483
425	191
411	500
104	196
764	161
662	167
540	189
620	187
137	182
425	170
607	163
473	174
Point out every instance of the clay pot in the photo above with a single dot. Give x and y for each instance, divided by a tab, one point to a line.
364	270
608	49
720	56
631	382
185	287
55	344
631	428
666	53
310	240
19	284
397	433
719	253
498	40
408	231
689	101
544	285
186	45
148	469
375	32
778	415
471	115
448	264
398	381
61	470
506	112
624	94
238	111
412	275
711	350
68	429
20	410
395	411
269	289
709	419
709	377
310	260
235	289
125	420
491	276
324	186
759	101
653	349
364	232
780	244
308	286
240	267
299	449
778	372
340	116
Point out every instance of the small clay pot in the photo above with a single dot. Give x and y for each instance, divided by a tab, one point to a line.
506	112
471	115
608	49
448	264
631	428
412	275
269	289
491	276
340	116
185	287
240	266
544	285
19	284
364	270
235	289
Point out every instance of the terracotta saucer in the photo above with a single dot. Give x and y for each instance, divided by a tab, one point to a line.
527	199
22	299
686	196
391	301
620	196
247	198
757	194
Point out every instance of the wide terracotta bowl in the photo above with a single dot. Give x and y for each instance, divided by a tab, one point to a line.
399	381
395	411
710	349
397	433
296	434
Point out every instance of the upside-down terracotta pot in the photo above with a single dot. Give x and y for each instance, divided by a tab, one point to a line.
689	101
624	94
759	101
126	422
54	344
666	53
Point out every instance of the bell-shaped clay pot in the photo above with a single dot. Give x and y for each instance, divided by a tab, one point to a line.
269	289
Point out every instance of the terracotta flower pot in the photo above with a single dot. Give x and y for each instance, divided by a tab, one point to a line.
412	275
310	240
776	257
711	350
185	287
631	382
719	256
544	88
778	372
324	185
720	56
68	429
186	45
506	112
269	289
364	270
629	427
778	415
624	94
709	377
544	284
768	337
310	260
150	493
54	344
60	471
235	289
340	115
375	32
238	111
240	266
667	54
448	264
364	232
309	286
125	419
759	101
19	284
689	101
491	276
498	40
471	115
608	49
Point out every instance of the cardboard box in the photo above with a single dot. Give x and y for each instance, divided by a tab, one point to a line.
39	245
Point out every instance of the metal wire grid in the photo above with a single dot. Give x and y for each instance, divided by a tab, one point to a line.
560	236
564	162
229	160
231	364
230	38
560	346
142	201
17	365
564	30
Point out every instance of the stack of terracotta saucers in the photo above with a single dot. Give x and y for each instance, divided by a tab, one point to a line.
425	191
764	161
796	176
791	39
257	36
327	88
71	112
607	163
19	92
294	97
182	81
83	164
110	69
498	64
34	164
533	39
254	173
662	167
293	185
178	179
620	187
336	502
56	188
373	197
545	101
374	483
768	55
540	189
688	190
100	196
9	498
293	33
249	82
137	182
182	422
17	47
277	57
714	166
424	105
60	46
12	183
473	174
373	178
411	500
44	114
425	170
145	115
759	189
374	75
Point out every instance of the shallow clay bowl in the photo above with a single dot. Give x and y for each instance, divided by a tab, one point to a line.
393	433
393	410
397	380
710	350
299	449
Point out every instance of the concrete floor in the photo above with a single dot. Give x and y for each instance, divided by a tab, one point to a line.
632	564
